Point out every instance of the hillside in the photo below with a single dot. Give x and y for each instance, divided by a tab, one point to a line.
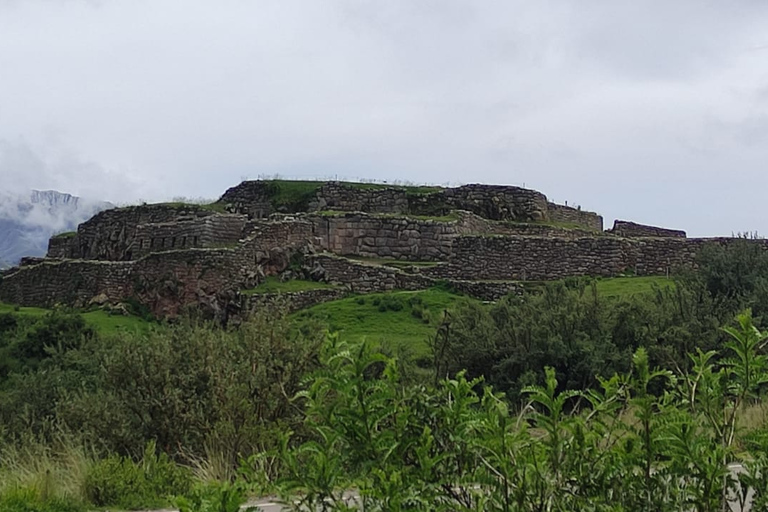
484	241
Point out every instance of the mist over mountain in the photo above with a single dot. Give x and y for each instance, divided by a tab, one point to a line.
27	220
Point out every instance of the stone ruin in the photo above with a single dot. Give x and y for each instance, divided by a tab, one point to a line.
483	240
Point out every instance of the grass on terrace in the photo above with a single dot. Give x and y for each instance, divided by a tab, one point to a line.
373	316
274	285
450	217
391	262
396	319
295	193
618	287
100	320
66	234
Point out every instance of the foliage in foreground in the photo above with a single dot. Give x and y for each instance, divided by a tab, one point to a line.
647	440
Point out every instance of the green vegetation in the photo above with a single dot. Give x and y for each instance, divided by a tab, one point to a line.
626	393
627	286
295	195
398	320
409	189
568	226
645	440
66	234
449	217
273	284
103	321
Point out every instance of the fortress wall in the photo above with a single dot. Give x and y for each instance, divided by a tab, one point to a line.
357	234
165	282
293	301
534	229
531	258
631	229
205	232
338	196
485	290
68	282
568	215
358	277
495	202
61	247
251	198
662	255
111	234
365	278
266	235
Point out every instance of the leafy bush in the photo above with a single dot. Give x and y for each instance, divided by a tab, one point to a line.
215	497
119	481
617	448
389	303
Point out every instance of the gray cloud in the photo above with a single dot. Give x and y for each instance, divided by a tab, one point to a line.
653	111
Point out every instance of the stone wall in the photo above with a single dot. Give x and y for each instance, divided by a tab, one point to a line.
62	247
211	231
111	234
357	277
270	234
495	202
532	258
534	229
293	301
251	198
357	234
338	196
651	256
165	282
485	290
631	229
575	216
365	278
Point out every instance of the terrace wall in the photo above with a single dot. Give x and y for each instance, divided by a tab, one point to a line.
632	230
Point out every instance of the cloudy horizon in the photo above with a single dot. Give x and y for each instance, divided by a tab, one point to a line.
650	111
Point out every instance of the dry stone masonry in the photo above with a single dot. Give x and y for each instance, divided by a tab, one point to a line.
631	229
482	240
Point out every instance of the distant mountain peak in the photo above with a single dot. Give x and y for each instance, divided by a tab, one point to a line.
28	219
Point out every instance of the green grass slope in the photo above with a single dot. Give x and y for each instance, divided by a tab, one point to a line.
393	319
100	320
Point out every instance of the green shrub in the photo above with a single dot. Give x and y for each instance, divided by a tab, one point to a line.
119	481
214	497
390	303
27	500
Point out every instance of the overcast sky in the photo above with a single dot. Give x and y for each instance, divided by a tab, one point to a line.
654	111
